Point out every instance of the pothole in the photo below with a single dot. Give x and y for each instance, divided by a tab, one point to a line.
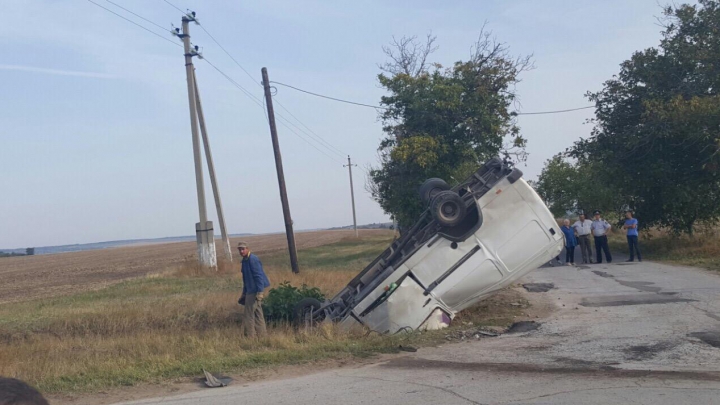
711	338
523	326
538	287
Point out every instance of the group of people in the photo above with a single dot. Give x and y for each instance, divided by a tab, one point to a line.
579	233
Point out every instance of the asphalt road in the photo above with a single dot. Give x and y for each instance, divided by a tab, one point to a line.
625	333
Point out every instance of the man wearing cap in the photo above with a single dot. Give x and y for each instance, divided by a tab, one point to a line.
583	229
600	228
254	283
631	224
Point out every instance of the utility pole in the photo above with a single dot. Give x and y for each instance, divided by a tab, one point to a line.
352	194
203	229
281	176
211	172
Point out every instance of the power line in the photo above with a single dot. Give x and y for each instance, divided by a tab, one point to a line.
133	22
319	139
176	7
332	98
137	15
236	84
557	111
227	77
228	54
281	120
386	108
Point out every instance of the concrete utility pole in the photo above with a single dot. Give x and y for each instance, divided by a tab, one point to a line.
281	176
211	172
352	194
203	229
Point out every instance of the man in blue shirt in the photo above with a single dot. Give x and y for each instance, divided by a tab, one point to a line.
254	283
631	224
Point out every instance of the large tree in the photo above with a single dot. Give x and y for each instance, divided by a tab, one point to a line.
442	122
570	188
657	132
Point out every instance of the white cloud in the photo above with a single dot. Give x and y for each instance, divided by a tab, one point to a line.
59	72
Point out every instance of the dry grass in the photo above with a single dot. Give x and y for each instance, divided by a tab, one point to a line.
44	276
175	323
700	250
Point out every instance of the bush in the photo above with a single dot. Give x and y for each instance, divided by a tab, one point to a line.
281	300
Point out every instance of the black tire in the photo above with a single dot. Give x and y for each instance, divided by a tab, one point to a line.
514	175
432	187
303	312
448	208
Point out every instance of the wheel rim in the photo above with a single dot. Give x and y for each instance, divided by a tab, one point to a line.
449	210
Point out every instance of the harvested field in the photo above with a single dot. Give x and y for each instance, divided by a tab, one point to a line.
41	276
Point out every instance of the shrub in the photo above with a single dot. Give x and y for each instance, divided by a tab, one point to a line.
281	300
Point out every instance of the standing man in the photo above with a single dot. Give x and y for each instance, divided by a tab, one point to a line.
570	242
583	229
600	228
631	225
254	283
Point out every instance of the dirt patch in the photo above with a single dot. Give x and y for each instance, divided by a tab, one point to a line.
645	352
640	285
603	274
513	368
538	287
622	300
523	326
191	384
711	338
43	276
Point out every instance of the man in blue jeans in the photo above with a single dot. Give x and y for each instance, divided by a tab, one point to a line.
254	283
631	225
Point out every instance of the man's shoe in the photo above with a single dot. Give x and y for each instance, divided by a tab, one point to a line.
629	260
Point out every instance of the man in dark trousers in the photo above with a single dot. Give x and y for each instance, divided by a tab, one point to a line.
600	228
631	224
583	229
254	283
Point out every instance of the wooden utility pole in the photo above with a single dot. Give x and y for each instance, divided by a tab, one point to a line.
280	174
352	194
211	172
203	229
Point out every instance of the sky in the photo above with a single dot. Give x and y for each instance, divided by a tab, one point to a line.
96	140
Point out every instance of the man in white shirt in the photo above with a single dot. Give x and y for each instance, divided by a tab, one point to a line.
600	228
583	229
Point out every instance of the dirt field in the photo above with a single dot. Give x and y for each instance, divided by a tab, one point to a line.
28	277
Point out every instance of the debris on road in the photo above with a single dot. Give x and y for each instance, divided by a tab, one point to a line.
477	333
212	382
538	287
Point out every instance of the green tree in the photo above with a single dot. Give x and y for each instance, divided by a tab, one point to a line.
657	132
571	188
442	122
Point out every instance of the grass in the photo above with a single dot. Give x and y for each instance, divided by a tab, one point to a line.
173	325
700	250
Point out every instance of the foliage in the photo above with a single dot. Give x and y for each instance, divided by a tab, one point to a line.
657	133
571	188
281	300
442	122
